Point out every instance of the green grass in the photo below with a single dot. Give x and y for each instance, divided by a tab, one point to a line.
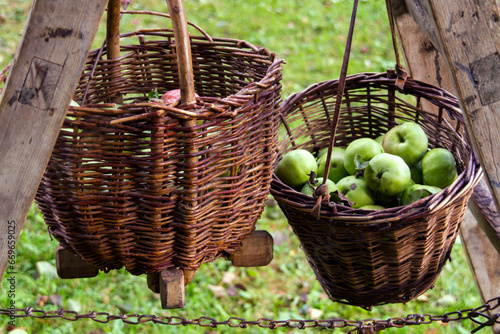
310	36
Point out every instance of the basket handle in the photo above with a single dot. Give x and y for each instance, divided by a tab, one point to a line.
182	43
401	72
183	48
322	191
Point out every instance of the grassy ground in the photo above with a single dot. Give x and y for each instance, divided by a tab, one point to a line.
310	36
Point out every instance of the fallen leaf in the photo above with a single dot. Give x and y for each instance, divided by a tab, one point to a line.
423	298
125	307
228	277
217	290
279	237
97	331
315	313
323	295
231	291
46	269
56	300
447	299
18	331
41	301
74	305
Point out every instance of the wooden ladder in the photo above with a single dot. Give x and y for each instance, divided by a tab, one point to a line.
451	44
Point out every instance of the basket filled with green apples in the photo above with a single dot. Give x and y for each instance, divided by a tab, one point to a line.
399	169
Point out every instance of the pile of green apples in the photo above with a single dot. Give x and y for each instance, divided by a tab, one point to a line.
397	168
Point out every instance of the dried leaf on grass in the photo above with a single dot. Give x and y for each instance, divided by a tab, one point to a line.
217	290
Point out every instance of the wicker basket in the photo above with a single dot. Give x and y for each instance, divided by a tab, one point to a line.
367	258
148	185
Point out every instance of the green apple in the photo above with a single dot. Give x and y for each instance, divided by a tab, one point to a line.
372	207
387	174
439	168
380	138
362	149
417	191
386	201
416	173
356	190
337	169
324	150
295	167
408	141
309	190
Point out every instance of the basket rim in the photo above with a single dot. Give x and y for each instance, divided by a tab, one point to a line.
411	84
207	106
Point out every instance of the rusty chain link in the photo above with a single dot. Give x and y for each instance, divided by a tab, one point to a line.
477	315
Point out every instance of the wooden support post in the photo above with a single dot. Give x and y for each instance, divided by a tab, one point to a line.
467	35
483	260
427	62
484	210
46	68
254	251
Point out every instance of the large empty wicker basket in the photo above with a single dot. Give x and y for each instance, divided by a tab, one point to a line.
148	185
366	257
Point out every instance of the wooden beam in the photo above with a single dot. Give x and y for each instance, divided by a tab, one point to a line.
425	62
484	210
467	34
483	260
50	57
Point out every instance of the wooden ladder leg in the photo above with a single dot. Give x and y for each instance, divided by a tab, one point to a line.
255	251
70	266
170	284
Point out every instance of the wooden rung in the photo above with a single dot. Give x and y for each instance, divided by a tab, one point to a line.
154	282
71	266
254	251
153	279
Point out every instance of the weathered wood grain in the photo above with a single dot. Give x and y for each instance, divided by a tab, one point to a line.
426	62
467	34
254	251
484	210
172	290
483	260
47	65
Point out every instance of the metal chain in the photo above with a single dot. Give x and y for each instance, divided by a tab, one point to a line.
477	315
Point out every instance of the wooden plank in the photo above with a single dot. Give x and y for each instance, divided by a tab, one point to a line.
483	259
425	62
71	266
255	251
484	210
48	62
467	33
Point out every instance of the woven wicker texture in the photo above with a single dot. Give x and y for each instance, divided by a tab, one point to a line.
142	186
368	258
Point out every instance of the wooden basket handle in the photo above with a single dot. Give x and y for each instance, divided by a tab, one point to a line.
182	43
183	47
